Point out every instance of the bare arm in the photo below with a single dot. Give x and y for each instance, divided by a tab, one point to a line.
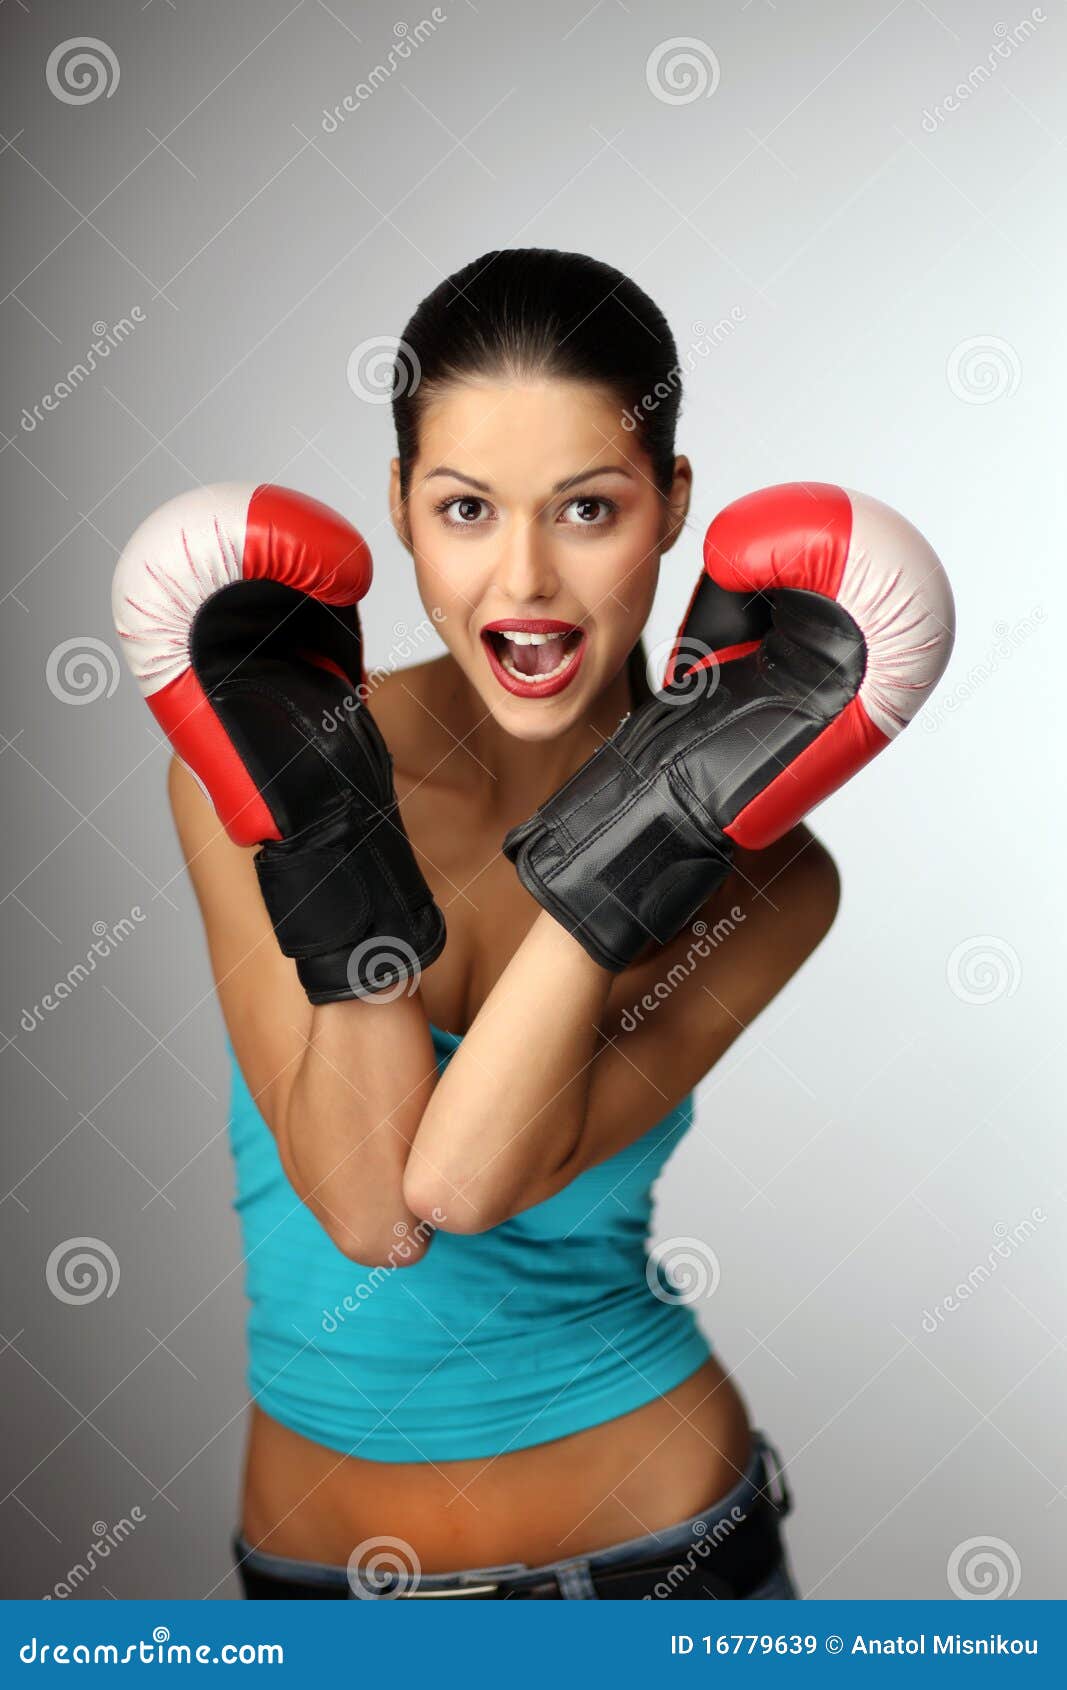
342	1086
563	1066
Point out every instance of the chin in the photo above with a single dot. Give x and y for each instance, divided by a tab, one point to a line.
535	720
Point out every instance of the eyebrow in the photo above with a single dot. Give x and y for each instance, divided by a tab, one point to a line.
560	487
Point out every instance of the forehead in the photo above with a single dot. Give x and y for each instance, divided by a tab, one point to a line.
524	433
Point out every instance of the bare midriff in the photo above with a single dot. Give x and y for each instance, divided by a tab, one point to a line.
641	1472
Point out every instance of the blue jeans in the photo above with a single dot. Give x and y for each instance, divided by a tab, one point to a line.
704	1556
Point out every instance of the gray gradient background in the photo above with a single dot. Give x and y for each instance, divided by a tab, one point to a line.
858	1148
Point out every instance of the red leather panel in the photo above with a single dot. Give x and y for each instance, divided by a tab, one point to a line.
794	535
304	544
832	759
200	740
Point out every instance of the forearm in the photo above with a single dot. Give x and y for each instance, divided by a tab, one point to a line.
364	1079
511	1104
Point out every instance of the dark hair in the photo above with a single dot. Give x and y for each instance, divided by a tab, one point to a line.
534	311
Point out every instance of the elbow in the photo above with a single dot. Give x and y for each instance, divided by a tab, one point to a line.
466	1219
450	1208
372	1245
466	1201
371	1227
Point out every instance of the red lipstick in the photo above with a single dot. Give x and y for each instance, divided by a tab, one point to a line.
572	649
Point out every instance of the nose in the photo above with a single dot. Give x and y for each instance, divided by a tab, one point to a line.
525	571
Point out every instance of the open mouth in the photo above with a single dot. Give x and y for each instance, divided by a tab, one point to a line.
534	658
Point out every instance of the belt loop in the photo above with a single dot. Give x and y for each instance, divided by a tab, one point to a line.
575	1581
777	1489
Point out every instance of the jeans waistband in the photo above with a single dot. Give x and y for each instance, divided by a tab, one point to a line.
763	1478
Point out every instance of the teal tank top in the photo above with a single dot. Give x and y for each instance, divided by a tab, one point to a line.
492	1342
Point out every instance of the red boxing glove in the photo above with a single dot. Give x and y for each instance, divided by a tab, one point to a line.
883	609
237	608
821	624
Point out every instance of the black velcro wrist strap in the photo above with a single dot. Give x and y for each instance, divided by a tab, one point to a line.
313	887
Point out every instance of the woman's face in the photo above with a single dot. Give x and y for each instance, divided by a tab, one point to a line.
536	531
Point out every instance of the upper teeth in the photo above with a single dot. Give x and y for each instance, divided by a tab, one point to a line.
519	636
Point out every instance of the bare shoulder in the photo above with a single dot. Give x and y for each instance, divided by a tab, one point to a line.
799	865
760	926
790	894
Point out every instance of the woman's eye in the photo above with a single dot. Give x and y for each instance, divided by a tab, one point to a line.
588	513
463	512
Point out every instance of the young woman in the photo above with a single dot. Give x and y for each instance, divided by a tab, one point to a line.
466	1377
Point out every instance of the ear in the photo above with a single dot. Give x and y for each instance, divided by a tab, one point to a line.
398	510
677	502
